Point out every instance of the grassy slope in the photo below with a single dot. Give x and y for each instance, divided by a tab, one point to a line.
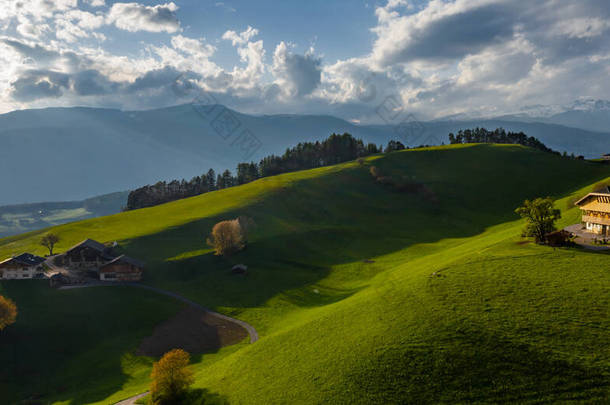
75	345
498	321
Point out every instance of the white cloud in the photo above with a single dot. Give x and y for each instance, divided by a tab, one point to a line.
138	17
241	38
96	3
439	57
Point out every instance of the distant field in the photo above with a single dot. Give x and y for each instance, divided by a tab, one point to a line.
16	219
360	293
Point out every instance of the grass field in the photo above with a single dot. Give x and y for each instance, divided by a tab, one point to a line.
364	294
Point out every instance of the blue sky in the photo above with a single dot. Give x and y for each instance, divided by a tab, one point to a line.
438	57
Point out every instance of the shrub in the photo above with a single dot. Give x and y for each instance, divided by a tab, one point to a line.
171	378
229	237
8	312
559	238
375	172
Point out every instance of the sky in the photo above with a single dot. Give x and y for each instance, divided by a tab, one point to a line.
346	58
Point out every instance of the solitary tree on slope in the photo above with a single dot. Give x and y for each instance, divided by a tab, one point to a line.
171	378
49	241
540	215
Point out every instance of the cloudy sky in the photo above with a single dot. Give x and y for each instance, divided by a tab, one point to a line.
438	57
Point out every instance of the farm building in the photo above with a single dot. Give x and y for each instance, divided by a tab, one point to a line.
23	266
88	254
595	208
122	268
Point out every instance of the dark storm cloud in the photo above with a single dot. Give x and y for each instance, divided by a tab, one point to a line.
304	72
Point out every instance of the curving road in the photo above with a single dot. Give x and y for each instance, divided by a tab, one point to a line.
251	331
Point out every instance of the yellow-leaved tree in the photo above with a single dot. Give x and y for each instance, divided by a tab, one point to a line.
171	378
8	312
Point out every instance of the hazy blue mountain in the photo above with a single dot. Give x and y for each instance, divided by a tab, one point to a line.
589	114
65	154
20	218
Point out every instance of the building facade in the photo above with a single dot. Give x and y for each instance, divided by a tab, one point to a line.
24	266
88	255
595	209
122	268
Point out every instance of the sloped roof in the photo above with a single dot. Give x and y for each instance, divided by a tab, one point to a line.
585	198
90	243
26	259
125	259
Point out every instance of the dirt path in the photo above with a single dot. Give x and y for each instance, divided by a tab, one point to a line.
249	328
132	400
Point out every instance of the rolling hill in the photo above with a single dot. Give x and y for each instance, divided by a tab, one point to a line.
360	293
65	154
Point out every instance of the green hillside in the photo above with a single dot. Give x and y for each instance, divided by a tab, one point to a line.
360	293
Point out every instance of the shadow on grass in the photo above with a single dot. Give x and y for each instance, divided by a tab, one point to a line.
477	368
311	226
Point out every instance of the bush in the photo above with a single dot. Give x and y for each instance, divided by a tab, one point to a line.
229	237
171	378
559	238
8	312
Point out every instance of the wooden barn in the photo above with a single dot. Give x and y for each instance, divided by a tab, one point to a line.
122	268
23	266
595	208
88	254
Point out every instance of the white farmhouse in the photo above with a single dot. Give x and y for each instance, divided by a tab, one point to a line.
21	267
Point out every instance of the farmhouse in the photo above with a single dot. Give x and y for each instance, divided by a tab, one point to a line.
23	266
595	208
88	254
122	268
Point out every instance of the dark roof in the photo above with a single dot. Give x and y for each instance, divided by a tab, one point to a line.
90	243
125	259
27	259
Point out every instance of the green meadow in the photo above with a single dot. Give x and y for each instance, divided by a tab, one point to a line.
360	293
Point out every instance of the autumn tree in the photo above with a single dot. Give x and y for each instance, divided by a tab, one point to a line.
171	378
8	312
49	241
540	215
229	237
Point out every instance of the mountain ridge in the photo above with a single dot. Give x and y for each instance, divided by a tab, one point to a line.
71	153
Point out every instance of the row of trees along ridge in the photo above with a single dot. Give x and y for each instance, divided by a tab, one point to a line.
307	155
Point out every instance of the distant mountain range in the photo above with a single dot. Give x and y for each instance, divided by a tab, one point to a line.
64	154
20	218
585	113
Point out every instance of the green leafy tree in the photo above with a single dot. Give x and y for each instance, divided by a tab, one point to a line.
540	215
8	312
